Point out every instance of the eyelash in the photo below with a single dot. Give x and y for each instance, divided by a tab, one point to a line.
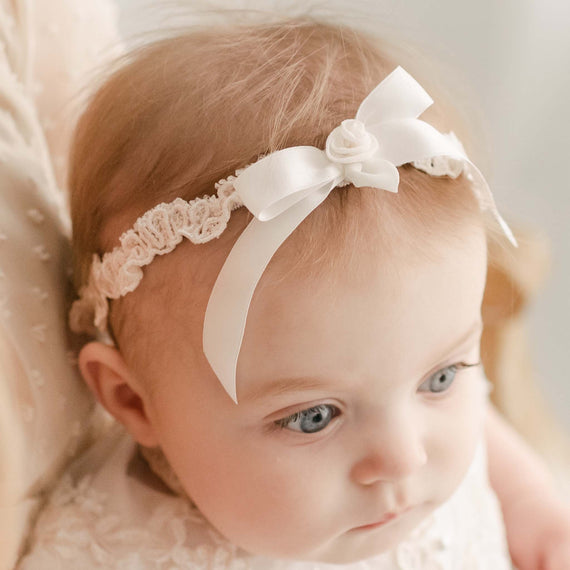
455	367
282	423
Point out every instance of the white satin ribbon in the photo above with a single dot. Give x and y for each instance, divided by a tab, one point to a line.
283	188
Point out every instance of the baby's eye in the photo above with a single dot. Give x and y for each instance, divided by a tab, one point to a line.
443	379
310	420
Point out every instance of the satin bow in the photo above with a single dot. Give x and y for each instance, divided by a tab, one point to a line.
283	188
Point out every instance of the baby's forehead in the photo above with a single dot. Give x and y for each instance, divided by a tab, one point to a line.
357	230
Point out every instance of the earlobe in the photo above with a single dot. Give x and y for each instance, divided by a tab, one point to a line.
115	387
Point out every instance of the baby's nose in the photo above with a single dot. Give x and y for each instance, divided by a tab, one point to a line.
394	451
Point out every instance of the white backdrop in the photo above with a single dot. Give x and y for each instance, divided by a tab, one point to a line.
512	63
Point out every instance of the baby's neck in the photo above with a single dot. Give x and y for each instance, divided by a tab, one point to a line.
159	465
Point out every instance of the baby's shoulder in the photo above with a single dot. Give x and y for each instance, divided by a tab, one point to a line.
109	511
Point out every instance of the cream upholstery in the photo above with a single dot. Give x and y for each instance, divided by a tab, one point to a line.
46	51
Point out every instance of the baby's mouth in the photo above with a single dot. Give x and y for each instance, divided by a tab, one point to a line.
385	519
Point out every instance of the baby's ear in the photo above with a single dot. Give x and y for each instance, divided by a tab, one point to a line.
116	388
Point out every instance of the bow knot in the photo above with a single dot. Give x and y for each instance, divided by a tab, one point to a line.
363	151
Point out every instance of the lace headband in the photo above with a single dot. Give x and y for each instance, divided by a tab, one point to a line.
280	190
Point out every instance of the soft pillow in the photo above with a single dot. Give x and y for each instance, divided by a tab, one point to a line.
46	404
46	412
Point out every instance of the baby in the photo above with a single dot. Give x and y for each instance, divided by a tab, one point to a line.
298	383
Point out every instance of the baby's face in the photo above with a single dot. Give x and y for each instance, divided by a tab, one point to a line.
353	406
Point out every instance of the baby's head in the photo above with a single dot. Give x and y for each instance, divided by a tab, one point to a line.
358	390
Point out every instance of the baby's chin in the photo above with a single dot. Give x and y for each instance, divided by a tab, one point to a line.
353	545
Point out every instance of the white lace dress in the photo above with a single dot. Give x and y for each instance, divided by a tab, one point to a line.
110	511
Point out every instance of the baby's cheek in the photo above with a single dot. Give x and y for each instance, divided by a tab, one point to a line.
250	497
286	511
457	436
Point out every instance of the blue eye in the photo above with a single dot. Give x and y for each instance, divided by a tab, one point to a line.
443	379
311	420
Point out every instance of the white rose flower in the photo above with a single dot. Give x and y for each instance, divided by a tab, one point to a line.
350	142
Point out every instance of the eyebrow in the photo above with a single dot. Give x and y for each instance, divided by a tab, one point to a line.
285	385
282	386
473	330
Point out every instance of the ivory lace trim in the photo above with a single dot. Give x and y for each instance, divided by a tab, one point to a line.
157	232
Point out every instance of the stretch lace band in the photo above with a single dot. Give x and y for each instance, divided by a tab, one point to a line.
157	232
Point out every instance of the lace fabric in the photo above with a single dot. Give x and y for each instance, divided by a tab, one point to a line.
119	516
157	232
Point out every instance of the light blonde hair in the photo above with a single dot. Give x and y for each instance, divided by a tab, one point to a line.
178	114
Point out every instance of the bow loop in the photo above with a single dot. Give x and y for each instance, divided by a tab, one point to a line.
398	96
277	182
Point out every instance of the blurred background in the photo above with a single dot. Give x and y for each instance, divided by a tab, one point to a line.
507	64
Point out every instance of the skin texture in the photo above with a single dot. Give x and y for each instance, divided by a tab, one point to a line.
369	349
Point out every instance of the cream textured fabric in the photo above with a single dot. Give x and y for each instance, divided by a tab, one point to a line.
45	50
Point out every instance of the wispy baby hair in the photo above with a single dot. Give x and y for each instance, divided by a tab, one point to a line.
178	114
